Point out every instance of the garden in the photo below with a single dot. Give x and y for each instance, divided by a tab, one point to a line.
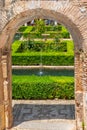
43	45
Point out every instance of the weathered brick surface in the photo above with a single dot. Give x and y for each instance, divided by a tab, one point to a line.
14	13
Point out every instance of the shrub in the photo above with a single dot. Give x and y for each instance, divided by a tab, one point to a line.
22	28
70	47
49	28
53	28
43	87
62	46
21	48
40	26
59	27
52	34
48	46
15	45
65	35
25	29
47	59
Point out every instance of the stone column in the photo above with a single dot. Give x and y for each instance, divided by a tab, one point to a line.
1	80
7	89
79	91
9	70
2	110
84	83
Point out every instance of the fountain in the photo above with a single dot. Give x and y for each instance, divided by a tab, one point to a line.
40	73
41	64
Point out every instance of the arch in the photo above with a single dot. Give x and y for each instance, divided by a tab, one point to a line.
66	15
29	15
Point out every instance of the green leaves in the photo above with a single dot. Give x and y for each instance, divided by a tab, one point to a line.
40	26
47	59
42	87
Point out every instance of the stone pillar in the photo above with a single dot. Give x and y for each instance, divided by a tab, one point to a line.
9	70
6	70
84	83
1	80
79	91
2	110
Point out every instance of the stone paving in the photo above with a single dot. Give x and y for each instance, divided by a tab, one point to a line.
44	115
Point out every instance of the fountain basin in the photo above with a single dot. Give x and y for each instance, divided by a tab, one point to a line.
43	70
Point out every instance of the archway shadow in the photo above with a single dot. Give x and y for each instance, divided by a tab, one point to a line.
31	112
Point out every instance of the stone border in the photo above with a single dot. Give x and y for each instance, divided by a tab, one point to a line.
44	67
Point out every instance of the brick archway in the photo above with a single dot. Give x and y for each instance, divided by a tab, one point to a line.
14	14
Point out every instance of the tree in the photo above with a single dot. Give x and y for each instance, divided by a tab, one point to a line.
40	27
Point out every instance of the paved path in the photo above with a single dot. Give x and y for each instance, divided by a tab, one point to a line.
44	115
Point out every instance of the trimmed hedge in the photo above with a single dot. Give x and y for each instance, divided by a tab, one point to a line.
37	46
52	30
16	44
42	87
22	28
65	34
47	28
52	34
25	29
47	59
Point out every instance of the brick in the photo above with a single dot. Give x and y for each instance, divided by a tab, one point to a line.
14	13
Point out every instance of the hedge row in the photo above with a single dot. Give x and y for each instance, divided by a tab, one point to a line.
64	45
16	45
25	29
51	30
47	28
52	34
38	46
47	59
43	87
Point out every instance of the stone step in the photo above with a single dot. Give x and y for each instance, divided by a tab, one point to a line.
46	125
